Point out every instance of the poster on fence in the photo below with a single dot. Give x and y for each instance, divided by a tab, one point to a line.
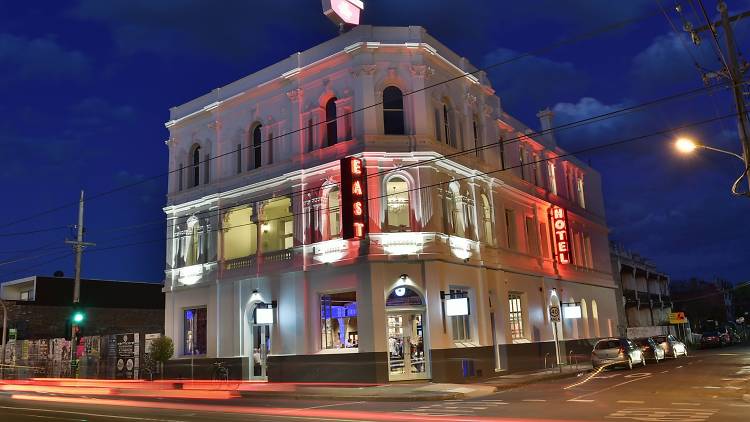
128	351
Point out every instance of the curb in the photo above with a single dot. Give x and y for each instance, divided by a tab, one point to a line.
399	398
536	380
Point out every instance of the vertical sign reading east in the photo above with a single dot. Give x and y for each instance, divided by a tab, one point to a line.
559	219
353	198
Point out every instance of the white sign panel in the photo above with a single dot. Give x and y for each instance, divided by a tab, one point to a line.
571	312
264	316
457	307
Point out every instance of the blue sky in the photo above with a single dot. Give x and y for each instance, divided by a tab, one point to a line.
87	85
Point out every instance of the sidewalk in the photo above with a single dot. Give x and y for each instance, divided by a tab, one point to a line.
418	391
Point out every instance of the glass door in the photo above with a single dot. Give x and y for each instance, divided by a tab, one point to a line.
261	346
406	355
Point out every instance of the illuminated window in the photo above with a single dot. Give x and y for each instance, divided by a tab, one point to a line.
333	209
393	111
523	161
579	192
516	317
338	321
257	147
487	220
194	242
544	236
397	208
331	125
240	233
552	177
455	211
460	324
536	169
532	237
277	225
194	331
196	173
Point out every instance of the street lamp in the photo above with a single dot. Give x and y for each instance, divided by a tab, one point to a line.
687	146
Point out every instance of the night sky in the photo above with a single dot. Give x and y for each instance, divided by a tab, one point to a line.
86	87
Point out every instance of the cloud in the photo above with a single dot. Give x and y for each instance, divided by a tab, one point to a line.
39	59
96	113
531	81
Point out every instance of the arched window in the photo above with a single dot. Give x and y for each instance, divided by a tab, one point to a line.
393	111
334	214
257	143
476	131
595	319
455	212
397	204
331	125
487	220
196	175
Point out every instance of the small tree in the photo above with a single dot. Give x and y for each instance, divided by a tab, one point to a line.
162	349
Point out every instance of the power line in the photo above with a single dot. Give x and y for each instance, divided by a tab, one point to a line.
585	36
504	142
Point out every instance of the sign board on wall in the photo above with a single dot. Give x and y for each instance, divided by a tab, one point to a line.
572	311
128	355
677	318
560	234
457	307
353	198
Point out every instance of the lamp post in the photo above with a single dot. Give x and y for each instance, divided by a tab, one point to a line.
687	146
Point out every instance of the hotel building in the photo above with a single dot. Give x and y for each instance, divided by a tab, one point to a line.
471	228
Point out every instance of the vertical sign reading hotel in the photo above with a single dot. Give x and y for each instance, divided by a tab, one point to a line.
353	198
560	233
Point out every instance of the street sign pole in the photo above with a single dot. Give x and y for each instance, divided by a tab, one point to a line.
554	316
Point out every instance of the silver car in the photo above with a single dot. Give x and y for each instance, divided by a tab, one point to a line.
617	351
672	347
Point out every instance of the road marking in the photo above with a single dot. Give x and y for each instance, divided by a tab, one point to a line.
679	367
727	354
663	414
685	404
639	375
139	418
733	388
664	372
739	405
611	387
630	401
331	405
711	387
581	401
534	400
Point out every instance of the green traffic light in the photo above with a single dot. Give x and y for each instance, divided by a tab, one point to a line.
78	317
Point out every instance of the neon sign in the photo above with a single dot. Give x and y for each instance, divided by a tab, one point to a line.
560	234
353	198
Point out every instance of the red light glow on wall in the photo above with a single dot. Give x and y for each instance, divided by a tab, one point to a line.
353	198
559	218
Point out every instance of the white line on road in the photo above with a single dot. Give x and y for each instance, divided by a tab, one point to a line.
609	388
139	418
739	405
534	400
581	401
629	401
711	387
686	404
331	405
664	372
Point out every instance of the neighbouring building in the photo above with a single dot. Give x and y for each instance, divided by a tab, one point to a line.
705	300
40	307
445	271
643	294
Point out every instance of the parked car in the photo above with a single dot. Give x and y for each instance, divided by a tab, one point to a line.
617	351
650	349
713	339
672	347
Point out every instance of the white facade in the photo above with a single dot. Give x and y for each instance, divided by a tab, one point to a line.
257	220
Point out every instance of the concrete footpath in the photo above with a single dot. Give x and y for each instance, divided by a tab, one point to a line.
411	391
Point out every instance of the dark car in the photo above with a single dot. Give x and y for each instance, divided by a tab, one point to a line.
712	339
650	349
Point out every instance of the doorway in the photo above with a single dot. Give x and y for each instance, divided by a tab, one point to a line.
260	340
408	355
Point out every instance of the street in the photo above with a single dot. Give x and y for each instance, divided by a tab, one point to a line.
706	386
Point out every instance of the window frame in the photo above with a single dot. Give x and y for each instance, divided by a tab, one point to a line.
397	113
388	217
326	330
331	112
516	317
461	326
195	340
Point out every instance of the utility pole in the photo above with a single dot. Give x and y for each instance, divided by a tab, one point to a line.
734	71
78	246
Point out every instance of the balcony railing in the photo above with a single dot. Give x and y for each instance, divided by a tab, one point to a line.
237	263
278	256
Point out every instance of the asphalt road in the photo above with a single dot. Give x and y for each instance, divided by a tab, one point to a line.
706	386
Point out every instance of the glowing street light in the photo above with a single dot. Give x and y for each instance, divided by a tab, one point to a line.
685	145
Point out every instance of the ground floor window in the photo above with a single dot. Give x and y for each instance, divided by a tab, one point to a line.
460	324
338	321
194	334
515	307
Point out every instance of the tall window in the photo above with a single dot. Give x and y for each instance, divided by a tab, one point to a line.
544	236
397	208
532	237
239	158
310	132
552	177
579	191
196	166
502	153
334	213
523	160
487	219
515	317
460	324
338	321
331	125
240	233
455	211
277	225
257	147
194	331
510	228
393	111
438	136
447	130
536	168
475	131
193	242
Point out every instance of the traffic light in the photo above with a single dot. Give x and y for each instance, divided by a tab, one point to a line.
78	316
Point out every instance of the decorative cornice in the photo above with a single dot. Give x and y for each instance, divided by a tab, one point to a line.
365	69
295	94
421	71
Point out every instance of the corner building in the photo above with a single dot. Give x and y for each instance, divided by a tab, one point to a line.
258	275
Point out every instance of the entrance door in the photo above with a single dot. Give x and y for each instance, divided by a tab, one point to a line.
406	355
261	341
